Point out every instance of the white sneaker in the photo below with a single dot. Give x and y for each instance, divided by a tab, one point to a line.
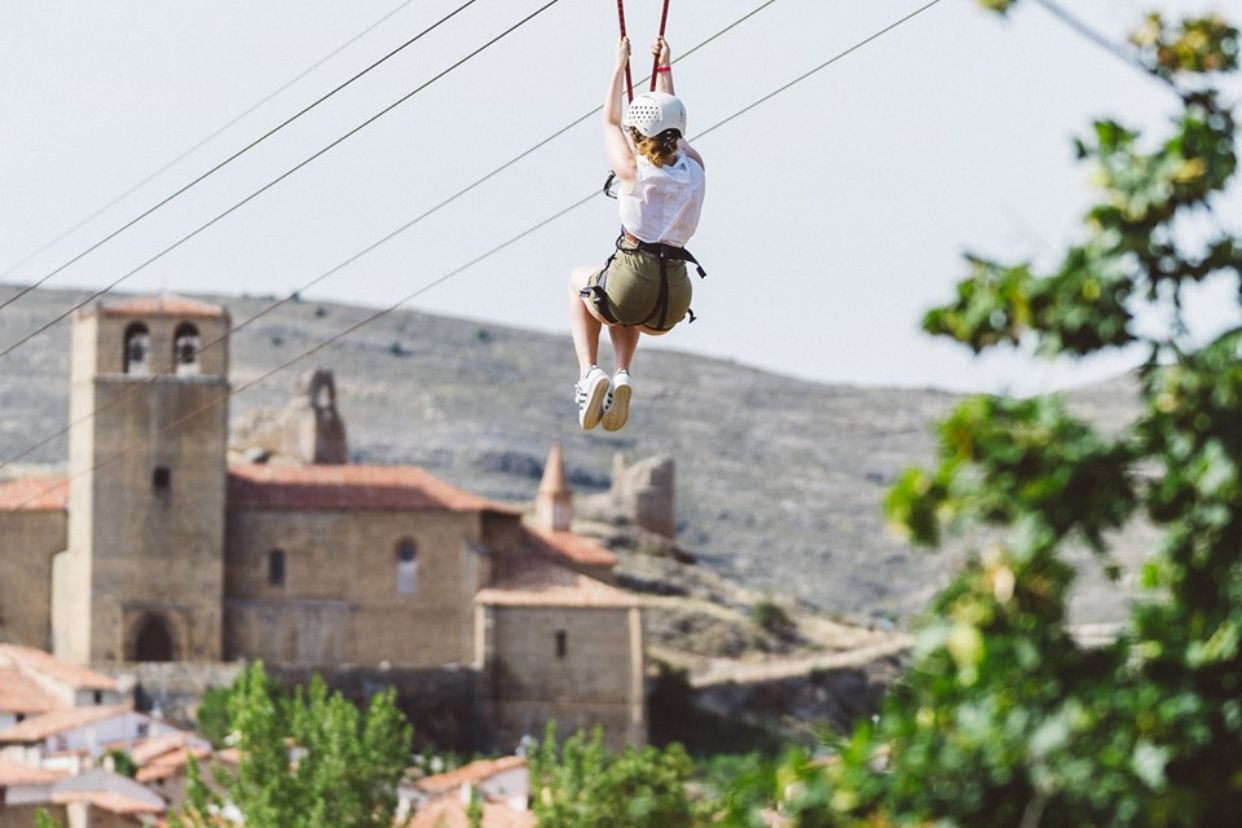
617	403
590	393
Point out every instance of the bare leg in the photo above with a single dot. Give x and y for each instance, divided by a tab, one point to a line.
585	326
624	343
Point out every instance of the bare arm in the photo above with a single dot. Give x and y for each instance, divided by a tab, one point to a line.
684	146
616	147
664	69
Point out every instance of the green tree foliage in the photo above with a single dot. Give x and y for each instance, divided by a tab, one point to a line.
122	763
580	784
772	617
201	800
44	820
311	760
211	719
1003	718
474	812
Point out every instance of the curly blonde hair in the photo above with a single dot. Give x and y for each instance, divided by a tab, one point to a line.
661	149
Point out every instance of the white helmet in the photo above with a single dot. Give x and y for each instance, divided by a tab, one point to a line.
653	112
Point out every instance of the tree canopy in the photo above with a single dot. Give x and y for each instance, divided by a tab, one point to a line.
311	759
1003	718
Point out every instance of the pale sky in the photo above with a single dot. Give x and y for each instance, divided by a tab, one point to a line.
836	213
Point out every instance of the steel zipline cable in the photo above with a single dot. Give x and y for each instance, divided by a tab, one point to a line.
9	349
409	297
364	251
215	134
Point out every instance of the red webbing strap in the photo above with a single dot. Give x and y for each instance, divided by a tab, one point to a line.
629	82
655	64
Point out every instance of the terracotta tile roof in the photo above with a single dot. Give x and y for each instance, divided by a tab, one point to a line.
58	721
149	750
566	545
18	773
230	756
19	693
450	812
474	772
79	678
541	583
170	764
348	488
37	493
161	306
111	801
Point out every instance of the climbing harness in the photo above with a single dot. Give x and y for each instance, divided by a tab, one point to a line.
598	296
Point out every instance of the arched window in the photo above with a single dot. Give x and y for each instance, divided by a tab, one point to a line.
407	567
186	344
137	349
276	567
154	641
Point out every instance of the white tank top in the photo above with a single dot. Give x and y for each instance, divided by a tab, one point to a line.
665	202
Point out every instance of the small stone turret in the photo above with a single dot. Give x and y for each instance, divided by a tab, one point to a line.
554	504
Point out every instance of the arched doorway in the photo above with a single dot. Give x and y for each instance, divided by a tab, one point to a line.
154	641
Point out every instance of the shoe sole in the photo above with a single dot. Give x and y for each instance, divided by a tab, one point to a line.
595	405
618	413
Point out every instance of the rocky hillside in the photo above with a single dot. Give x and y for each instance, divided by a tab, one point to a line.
779	481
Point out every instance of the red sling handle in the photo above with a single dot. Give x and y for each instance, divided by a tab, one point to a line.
629	82
655	64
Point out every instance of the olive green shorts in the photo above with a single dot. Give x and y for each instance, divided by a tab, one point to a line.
632	287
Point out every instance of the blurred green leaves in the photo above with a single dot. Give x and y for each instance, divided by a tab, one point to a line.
1003	718
581	784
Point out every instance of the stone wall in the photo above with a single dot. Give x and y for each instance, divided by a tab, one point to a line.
28	542
26	816
444	704
837	697
163	559
580	667
339	602
174	688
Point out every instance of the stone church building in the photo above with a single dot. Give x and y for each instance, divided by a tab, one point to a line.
155	547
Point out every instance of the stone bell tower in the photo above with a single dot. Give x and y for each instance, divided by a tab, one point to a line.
142	578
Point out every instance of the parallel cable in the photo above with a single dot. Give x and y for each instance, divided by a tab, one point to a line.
363	252
203	142
236	155
107	289
379	314
819	68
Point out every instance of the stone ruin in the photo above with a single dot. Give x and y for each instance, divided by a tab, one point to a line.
642	494
307	430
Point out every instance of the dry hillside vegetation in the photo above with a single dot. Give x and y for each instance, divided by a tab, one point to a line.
779	480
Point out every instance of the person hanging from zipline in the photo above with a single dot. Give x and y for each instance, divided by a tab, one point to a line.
643	287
